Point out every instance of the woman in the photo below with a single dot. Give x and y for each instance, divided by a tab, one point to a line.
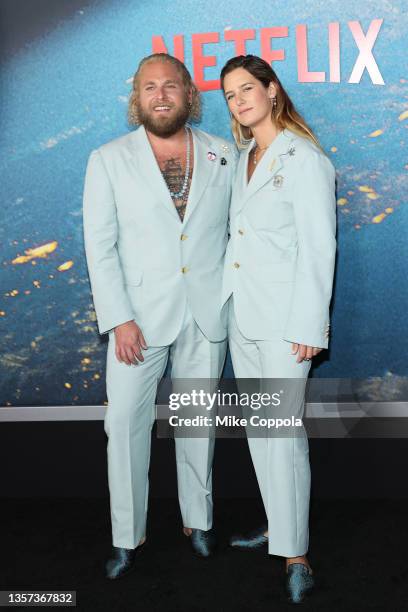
278	282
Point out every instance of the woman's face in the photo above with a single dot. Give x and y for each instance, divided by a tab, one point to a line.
247	98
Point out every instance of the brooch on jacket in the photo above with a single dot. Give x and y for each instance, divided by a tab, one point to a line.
291	151
278	179
213	156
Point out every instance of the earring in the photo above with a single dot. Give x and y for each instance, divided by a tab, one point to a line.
273	102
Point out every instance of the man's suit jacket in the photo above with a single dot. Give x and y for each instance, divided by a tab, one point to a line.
143	262
280	258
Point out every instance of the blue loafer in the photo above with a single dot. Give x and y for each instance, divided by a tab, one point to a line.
203	542
252	541
299	582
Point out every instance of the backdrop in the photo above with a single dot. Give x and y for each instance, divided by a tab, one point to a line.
66	70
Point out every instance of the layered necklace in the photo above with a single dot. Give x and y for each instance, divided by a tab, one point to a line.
254	160
183	189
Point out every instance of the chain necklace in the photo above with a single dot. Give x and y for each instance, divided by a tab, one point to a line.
255	150
182	191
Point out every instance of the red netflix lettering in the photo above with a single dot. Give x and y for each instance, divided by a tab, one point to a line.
267	53
159	46
201	61
239	37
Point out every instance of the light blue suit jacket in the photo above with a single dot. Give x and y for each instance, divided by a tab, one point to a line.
281	254
143	262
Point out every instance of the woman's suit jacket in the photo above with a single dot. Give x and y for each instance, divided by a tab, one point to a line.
280	257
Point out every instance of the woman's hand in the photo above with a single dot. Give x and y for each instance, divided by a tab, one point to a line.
305	353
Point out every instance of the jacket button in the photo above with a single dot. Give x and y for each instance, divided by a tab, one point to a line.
240	231
184	269
183	237
236	265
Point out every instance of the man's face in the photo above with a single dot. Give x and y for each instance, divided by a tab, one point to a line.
163	100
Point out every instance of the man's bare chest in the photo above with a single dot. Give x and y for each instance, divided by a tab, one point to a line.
177	171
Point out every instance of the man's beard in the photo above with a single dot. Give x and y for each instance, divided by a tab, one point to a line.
165	126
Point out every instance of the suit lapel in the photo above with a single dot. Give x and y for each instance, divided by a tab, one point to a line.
240	181
242	177
202	171
149	170
268	167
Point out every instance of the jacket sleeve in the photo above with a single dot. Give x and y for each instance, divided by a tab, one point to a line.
112	304
314	203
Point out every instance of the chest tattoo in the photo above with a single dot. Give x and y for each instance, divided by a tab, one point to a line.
173	172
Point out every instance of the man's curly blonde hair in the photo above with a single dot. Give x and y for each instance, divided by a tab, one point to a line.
133	108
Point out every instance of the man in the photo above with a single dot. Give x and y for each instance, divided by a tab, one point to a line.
155	225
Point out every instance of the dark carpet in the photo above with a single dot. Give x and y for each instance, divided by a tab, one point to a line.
357	550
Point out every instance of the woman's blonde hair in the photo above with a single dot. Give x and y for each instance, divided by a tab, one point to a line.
133	107
283	114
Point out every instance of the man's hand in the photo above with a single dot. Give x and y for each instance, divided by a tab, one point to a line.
305	353
129	342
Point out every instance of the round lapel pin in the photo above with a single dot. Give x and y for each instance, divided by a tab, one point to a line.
278	180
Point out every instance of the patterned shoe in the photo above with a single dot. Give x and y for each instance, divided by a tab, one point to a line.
122	561
203	542
299	582
252	541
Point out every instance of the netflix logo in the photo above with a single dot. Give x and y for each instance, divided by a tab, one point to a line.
269	51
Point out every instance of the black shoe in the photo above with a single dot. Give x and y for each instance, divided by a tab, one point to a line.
122	561
202	542
252	541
